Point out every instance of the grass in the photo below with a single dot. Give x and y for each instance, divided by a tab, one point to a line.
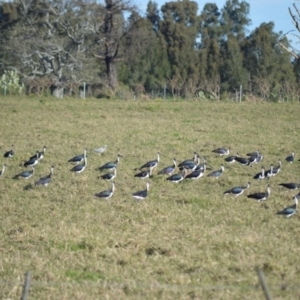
186	241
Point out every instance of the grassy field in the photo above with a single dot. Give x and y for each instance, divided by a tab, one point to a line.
185	241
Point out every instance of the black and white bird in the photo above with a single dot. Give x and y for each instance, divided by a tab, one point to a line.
290	158
238	190
145	173
141	195
269	173
100	150
259	158
111	165
290	185
260	175
261	196
254	153
78	158
221	151
230	159
32	161
110	175
40	154
254	157
290	210
81	167
202	166
196	174
10	153
242	160
189	161
252	160
168	170
25	174
2	171
217	173
46	179
191	166
178	177
106	194
277	169
151	163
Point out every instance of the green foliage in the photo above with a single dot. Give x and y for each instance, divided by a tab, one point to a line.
233	73
179	26
267	63
209	54
10	83
69	42
235	18
153	15
146	62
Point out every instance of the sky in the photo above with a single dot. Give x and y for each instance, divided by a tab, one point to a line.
260	11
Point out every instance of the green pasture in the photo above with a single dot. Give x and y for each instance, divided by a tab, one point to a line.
186	240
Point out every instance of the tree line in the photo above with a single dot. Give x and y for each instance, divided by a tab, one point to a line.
58	45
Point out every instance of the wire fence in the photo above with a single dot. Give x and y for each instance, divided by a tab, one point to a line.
261	286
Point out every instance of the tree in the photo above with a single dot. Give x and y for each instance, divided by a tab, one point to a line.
145	55
295	17
294	53
114	31
153	15
60	39
265	59
234	21
179	26
232	71
209	49
56	38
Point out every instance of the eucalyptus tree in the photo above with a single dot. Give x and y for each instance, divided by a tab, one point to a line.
145	65
234	22
235	19
267	62
153	14
158	52
233	74
180	28
209	49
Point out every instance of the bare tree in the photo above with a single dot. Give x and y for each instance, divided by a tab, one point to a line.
192	86
296	19
175	86
263	86
57	39
212	87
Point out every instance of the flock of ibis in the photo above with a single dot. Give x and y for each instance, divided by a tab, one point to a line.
188	169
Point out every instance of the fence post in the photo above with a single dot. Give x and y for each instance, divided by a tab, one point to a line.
26	286
263	283
241	91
